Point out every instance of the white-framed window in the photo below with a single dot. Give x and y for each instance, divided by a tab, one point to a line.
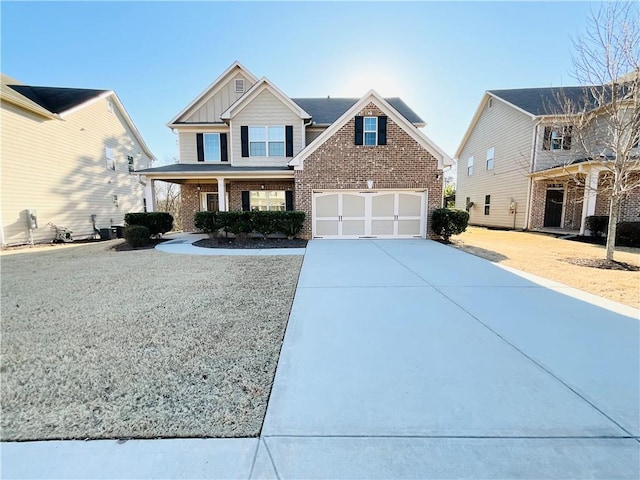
370	130
490	155
211	146
487	204
266	141
470	166
557	138
111	160
114	200
239	85
267	200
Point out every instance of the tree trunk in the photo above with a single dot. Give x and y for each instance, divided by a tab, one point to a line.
614	208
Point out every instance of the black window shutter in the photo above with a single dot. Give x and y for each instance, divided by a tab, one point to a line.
245	201
566	142
546	143
244	139
224	155
289	140
288	200
359	129
382	130
200	146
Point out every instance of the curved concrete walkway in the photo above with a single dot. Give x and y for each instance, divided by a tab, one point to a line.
410	359
182	243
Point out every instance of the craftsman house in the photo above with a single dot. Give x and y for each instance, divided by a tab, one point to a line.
68	159
521	167
359	168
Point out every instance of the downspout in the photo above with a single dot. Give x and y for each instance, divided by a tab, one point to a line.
534	159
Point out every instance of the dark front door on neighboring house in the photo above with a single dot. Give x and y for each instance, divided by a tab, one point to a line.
553	208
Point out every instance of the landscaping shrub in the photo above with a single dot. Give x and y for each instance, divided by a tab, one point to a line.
290	223
137	235
628	234
597	225
208	222
446	222
265	222
157	222
237	222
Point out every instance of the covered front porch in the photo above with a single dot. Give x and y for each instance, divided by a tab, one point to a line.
224	188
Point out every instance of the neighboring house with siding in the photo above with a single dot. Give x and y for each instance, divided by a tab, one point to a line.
68	156
518	167
359	168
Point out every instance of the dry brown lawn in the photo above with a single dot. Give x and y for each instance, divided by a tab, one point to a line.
545	255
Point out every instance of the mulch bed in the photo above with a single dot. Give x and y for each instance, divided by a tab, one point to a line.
251	243
602	263
125	247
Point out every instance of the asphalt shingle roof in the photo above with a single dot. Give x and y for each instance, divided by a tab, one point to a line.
54	99
328	110
544	101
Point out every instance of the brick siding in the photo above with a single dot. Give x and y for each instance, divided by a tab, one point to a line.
340	164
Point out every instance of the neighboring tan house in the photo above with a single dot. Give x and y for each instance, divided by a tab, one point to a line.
359	168
517	169
68	157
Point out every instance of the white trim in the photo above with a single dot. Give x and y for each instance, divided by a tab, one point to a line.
364	131
213	89
204	148
372	96
261	85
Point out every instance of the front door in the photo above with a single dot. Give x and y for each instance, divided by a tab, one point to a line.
212	202
553	208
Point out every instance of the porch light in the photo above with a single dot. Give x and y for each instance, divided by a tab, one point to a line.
369	183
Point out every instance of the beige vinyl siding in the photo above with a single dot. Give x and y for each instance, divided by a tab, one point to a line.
58	168
312	133
187	143
510	133
209	110
264	110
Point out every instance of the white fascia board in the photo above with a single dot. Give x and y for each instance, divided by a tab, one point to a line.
280	174
213	89
33	108
377	99
261	85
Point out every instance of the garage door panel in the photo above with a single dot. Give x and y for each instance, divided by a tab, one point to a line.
382	227
325	228
353	227
409	227
409	205
383	205
327	205
353	205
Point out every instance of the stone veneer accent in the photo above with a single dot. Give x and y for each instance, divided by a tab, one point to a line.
340	164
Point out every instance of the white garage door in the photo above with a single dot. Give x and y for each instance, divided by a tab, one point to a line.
369	214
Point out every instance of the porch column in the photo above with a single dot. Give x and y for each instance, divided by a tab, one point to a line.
590	195
222	196
150	195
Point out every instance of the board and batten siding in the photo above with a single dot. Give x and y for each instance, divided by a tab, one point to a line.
510	133
58	168
264	110
211	109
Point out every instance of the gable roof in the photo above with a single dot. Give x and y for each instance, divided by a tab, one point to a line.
391	112
260	86
56	102
325	111
212	89
543	101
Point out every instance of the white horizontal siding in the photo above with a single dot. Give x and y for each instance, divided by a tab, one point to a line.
510	133
58	168
264	110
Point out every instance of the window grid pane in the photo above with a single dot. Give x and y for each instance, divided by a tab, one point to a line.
267	200
212	147
276	149
257	149
276	134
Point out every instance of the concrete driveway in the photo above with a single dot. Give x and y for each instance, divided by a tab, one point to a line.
410	359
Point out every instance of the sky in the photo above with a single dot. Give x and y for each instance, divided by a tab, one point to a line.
439	57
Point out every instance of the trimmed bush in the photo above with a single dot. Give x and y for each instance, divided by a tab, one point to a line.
446	222
628	234
597	225
157	222
290	223
242	223
137	235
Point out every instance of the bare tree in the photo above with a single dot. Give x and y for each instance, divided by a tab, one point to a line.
168	200
602	118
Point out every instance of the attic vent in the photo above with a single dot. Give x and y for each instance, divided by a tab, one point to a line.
110	107
239	85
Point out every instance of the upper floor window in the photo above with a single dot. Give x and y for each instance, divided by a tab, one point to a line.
130	164
211	147
487	204
239	85
111	161
470	166
370	130
557	138
266	141
490	154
